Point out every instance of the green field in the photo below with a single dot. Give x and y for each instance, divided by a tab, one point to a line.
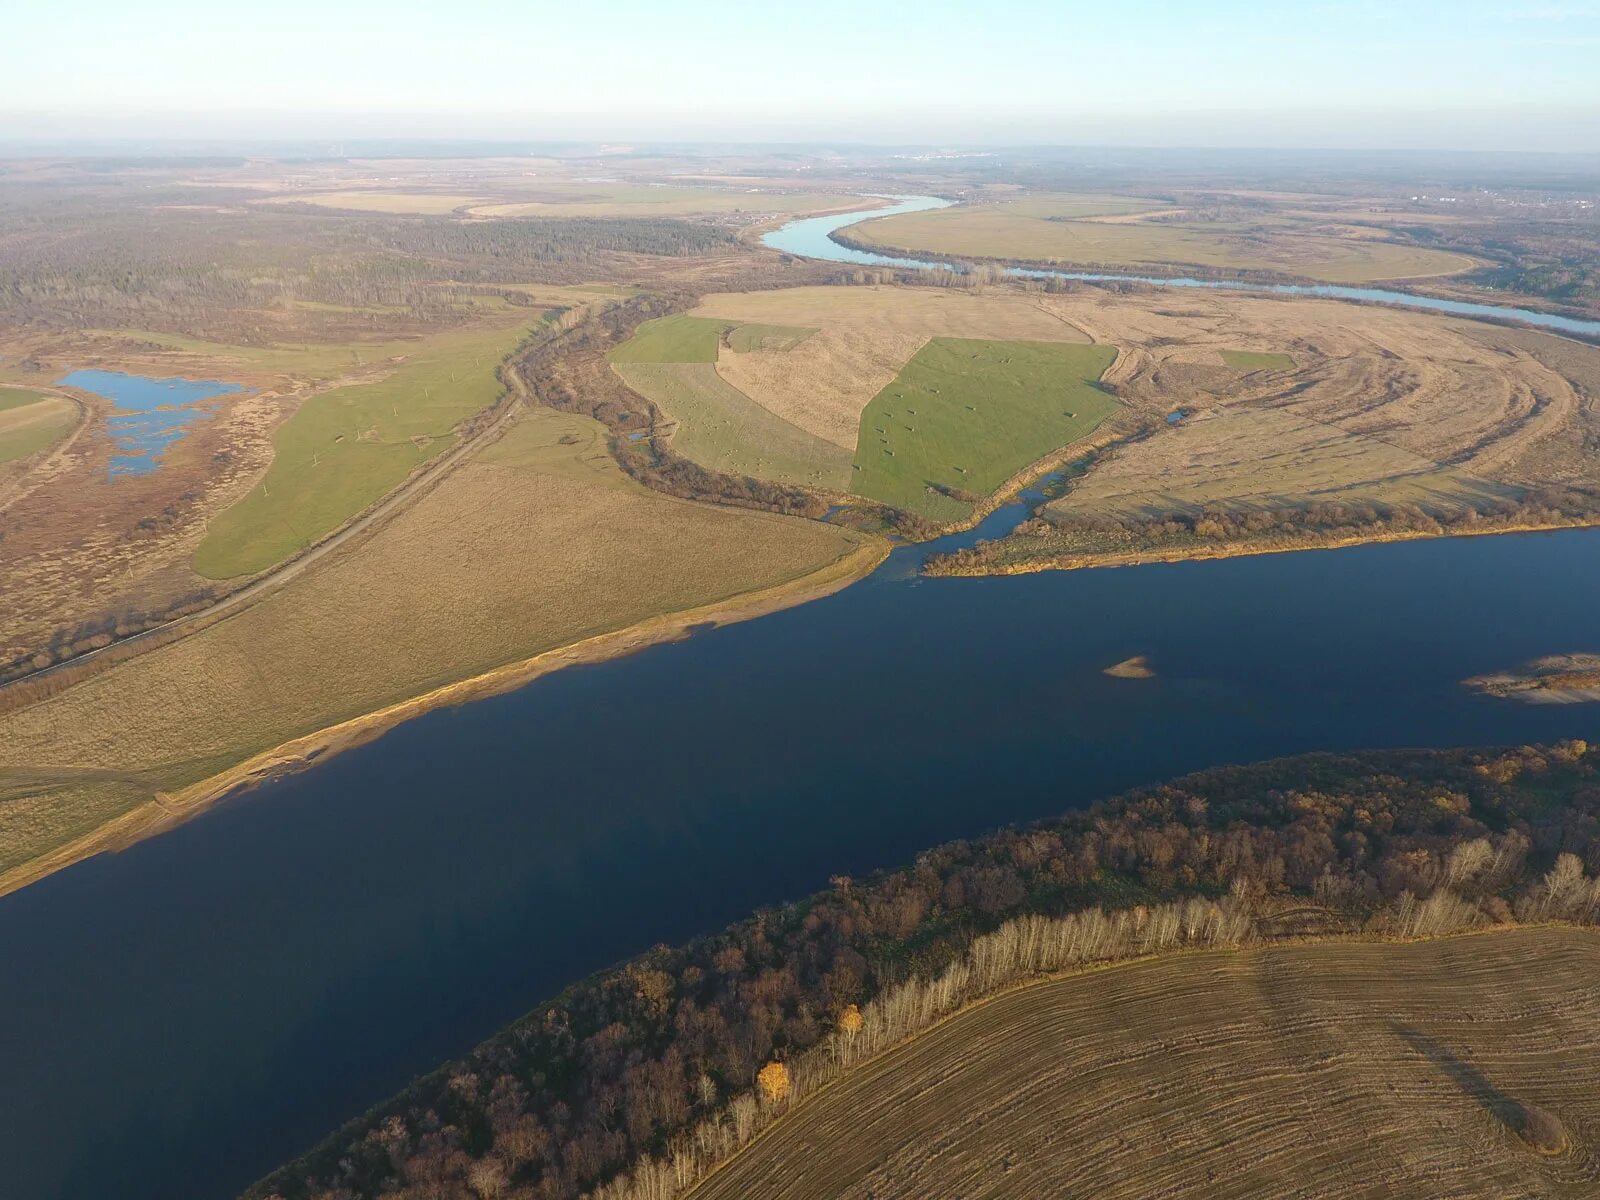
674	339
746	338
1251	360
344	449
721	428
30	421
968	414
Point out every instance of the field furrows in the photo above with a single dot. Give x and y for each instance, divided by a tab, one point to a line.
1332	1070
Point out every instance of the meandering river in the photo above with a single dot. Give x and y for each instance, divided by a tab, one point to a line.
813	238
178	1018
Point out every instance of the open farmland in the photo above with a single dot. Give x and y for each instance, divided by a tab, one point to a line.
716	425
783	395
31	421
1382	424
537	542
865	335
1332	1070
344	449
1050	229
965	415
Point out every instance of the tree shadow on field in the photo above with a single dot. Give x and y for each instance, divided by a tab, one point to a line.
1540	1129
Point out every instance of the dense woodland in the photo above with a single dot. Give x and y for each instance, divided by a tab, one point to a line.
623	1064
193	260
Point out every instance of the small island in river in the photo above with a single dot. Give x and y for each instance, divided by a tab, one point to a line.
1554	679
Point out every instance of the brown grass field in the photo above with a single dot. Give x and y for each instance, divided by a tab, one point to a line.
865	336
1062	229
537	543
80	544
1380	405
1317	1070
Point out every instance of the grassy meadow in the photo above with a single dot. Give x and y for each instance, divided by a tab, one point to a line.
674	339
536	542
719	427
1253	360
746	339
30	421
345	448
967	414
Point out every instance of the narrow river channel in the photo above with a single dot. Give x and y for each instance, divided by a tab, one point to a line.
813	238
178	1018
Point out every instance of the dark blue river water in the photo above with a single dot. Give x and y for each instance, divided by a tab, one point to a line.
178	1018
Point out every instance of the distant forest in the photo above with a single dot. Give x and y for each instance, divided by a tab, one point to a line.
168	261
676	1057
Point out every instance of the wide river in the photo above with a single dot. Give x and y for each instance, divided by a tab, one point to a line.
178	1018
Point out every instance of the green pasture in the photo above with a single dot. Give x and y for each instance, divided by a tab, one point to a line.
722	429
968	414
345	448
30	421
674	339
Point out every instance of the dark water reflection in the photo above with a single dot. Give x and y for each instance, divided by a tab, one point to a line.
176	1019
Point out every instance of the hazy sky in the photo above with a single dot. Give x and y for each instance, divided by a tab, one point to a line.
1398	73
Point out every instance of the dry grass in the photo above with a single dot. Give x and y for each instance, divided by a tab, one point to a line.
1045	228
1268	458
537	543
1379	405
1334	1070
866	335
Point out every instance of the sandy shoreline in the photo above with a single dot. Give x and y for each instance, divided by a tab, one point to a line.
168	809
1139	558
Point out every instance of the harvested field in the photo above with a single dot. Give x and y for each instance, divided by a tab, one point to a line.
538	542
1332	1070
344	449
1043	228
718	426
31	421
865	336
965	415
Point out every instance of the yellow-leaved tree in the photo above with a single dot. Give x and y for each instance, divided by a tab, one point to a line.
773	1081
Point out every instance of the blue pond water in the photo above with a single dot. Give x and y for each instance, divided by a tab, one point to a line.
149	414
812	238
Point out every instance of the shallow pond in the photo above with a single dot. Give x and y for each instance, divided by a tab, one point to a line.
148	415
